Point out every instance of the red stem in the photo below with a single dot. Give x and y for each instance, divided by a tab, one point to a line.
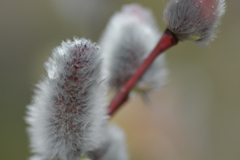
168	39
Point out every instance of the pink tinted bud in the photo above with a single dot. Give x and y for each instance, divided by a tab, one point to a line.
208	6
194	19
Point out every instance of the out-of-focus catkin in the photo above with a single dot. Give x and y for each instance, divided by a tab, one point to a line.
129	38
114	145
67	113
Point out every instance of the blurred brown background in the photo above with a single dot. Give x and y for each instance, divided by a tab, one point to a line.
196	116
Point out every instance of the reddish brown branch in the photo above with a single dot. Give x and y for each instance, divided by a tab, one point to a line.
168	39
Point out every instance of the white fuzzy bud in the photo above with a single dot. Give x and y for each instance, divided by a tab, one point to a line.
129	38
67	112
194	19
113	147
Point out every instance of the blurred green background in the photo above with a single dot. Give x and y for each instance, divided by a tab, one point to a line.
196	116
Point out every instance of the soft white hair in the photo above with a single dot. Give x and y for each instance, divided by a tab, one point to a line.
67	112
130	36
194	19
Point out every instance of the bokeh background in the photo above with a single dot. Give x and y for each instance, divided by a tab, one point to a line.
196	116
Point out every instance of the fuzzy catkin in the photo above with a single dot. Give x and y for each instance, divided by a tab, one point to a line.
117	148
114	145
194	19
67	112
130	36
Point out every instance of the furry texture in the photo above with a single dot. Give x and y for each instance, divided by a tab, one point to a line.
113	147
67	112
194	19
128	39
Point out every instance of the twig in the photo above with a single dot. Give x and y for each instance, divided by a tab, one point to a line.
168	40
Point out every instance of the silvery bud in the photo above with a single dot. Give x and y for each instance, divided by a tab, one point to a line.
67	112
194	19
129	38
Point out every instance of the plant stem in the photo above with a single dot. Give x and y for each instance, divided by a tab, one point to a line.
168	40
